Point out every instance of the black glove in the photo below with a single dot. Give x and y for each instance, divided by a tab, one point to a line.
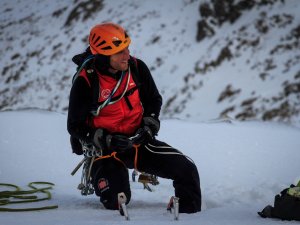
142	136
111	142
149	129
152	123
118	142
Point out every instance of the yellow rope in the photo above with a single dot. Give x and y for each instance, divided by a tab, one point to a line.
25	196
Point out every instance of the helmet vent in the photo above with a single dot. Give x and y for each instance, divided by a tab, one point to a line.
117	43
106	48
93	36
101	43
97	39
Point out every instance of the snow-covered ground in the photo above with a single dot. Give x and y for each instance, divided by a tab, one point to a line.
242	166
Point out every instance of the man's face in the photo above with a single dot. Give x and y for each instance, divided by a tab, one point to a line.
119	61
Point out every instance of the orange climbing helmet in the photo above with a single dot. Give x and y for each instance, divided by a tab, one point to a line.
108	39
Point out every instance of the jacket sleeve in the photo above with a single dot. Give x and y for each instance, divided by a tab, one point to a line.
150	96
79	111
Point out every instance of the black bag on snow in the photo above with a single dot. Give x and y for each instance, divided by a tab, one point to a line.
286	205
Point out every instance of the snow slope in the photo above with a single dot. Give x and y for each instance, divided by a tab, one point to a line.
249	69
242	166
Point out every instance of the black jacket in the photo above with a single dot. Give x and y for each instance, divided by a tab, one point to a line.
80	102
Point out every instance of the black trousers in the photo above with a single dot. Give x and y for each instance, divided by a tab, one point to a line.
110	175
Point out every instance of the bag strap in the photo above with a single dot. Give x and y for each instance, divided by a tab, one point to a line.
95	87
94	83
93	80
135	72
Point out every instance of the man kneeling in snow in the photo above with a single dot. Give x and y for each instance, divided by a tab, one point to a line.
112	99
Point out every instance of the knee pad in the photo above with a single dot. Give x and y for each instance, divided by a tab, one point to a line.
109	178
109	198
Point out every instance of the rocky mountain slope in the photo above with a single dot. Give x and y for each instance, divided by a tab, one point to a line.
210	59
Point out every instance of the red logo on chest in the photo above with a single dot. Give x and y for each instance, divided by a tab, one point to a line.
105	93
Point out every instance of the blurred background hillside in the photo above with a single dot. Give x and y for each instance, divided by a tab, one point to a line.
210	59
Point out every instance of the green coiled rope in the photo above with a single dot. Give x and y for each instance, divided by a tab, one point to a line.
25	196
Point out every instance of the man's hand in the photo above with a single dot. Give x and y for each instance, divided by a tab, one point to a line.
118	142
142	136
111	142
152	123
146	133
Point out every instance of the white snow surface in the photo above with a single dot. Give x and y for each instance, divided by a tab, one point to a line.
242	166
